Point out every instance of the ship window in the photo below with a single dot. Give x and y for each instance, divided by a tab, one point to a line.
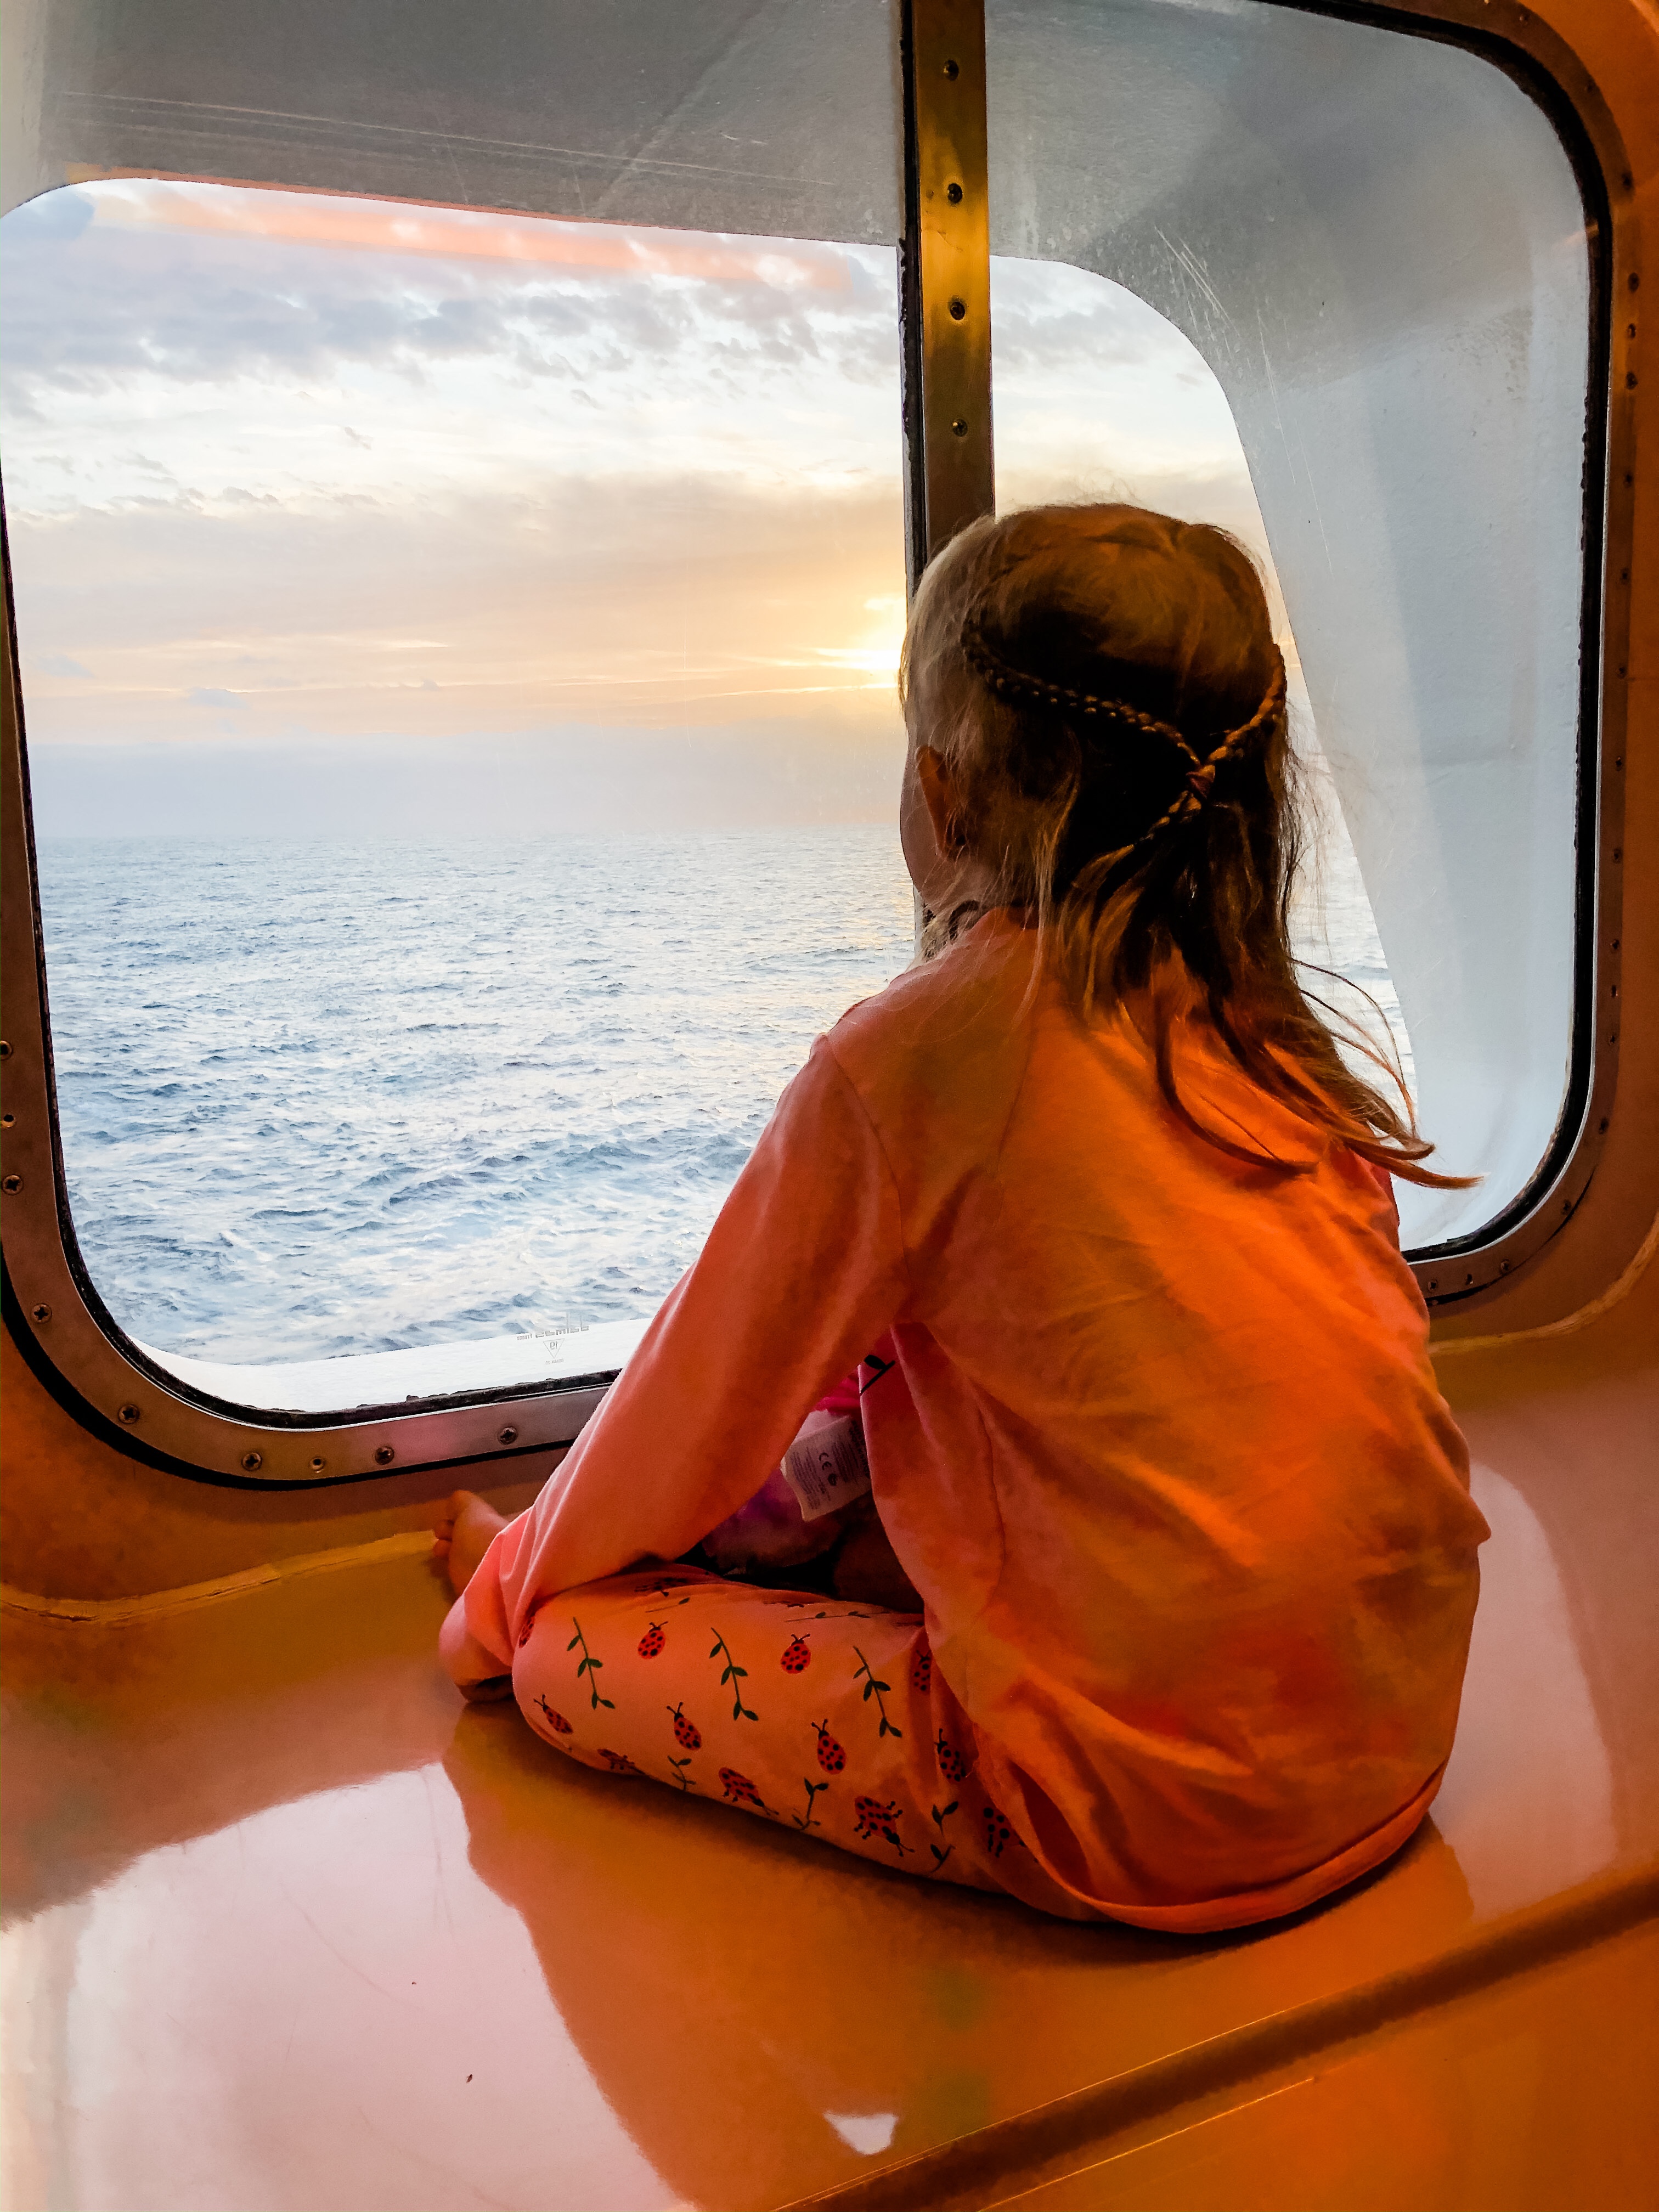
1377	244
457	646
459	652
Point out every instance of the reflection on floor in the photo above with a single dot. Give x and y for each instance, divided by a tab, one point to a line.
288	1926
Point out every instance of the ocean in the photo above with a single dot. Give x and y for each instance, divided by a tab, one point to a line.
328	1098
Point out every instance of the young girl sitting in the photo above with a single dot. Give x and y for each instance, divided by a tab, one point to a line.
1183	1559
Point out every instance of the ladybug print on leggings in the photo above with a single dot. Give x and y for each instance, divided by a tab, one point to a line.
686	1732
831	1758
921	1672
875	1818
740	1790
556	1721
798	1658
951	1763
620	1763
998	1833
653	1641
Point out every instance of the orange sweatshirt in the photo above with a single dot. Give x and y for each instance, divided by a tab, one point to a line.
1189	1516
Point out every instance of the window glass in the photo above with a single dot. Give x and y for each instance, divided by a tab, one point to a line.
458	653
1377	244
776	116
1098	397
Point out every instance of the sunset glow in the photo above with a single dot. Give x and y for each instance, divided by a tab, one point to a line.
287	471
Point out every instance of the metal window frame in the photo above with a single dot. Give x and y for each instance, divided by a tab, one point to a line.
53	1308
941	366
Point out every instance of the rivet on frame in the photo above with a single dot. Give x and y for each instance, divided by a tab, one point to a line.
254	1461
129	1413
383	1454
40	1313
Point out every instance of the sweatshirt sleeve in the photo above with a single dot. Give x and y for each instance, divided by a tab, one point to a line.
803	1270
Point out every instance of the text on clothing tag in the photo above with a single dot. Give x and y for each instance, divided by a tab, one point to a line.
828	1467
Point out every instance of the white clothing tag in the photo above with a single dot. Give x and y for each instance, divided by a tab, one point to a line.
826	1467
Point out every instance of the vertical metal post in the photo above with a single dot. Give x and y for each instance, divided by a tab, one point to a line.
945	277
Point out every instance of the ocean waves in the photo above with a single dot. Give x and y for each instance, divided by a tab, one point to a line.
328	1098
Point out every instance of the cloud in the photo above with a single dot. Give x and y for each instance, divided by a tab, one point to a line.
59	664
90	303
571	476
675	601
54	218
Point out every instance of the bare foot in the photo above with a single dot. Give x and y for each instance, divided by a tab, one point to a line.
462	1533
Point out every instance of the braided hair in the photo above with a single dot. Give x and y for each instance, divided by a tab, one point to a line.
1197	775
1104	688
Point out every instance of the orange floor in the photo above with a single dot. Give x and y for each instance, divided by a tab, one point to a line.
311	1934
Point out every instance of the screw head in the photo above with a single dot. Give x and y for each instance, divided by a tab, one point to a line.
5	1049
383	1454
507	1436
953	193
952	69
958	309
318	1464
40	1313
959	428
129	1413
254	1461
12	1183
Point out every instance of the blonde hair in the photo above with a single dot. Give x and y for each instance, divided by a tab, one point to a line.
1103	686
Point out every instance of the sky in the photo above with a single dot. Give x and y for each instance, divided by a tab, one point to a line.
340	516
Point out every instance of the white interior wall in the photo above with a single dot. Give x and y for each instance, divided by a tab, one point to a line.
1377	243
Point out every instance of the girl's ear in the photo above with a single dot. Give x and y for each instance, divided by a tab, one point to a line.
940	796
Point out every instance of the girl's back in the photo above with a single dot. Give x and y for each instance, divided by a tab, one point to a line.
1164	1452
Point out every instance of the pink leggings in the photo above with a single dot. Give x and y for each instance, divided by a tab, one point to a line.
823	1714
